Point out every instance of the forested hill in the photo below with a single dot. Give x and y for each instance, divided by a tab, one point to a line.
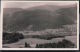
40	17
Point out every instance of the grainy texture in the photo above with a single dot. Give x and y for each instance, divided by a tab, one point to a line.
40	25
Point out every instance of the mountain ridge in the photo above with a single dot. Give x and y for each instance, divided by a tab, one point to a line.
40	18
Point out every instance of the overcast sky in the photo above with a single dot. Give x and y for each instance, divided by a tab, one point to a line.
21	4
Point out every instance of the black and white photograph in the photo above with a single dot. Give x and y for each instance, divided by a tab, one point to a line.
40	25
40	0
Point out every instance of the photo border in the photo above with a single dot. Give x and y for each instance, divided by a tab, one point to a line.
1	29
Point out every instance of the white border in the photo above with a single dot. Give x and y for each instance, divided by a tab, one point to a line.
1	29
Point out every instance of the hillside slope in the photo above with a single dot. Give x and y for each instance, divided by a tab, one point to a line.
40	17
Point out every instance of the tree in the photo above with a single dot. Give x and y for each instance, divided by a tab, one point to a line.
26	44
37	45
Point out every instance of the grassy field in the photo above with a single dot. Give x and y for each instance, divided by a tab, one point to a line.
34	41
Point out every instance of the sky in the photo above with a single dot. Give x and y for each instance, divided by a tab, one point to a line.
22	4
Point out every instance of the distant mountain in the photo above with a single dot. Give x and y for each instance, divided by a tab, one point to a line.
40	17
7	14
10	11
